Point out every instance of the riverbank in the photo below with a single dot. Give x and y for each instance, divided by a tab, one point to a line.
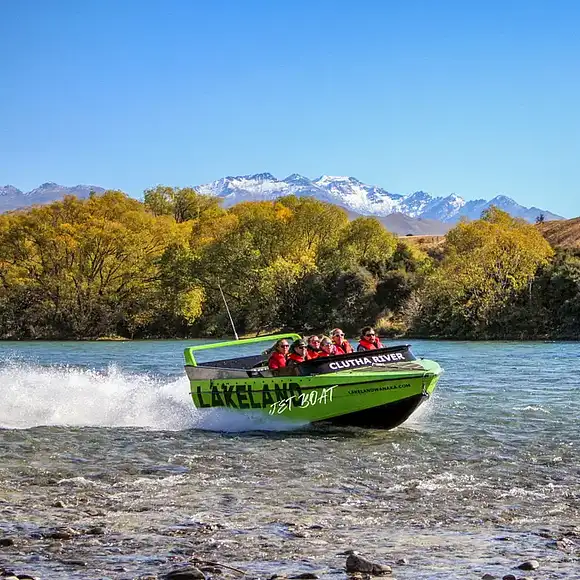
204	549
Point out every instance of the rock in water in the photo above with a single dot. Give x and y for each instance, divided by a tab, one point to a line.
529	565
190	573
356	563
5	542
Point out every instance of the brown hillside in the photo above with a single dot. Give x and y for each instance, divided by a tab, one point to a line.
558	233
432	245
425	243
562	233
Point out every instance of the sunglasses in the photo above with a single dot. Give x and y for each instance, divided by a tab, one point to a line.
302	347
338	334
370	334
285	345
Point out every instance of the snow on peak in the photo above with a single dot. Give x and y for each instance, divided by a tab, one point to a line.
261	177
9	190
502	200
347	192
297	179
354	195
325	179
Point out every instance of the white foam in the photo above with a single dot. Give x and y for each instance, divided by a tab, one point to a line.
420	419
534	408
34	395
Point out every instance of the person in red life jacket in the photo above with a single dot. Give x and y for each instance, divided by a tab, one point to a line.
341	345
313	348
368	339
278	356
297	355
326	347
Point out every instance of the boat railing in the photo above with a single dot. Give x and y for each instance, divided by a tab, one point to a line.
190	351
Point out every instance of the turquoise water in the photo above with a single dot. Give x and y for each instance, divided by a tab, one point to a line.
105	435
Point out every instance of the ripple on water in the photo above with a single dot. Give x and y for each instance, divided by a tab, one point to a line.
484	477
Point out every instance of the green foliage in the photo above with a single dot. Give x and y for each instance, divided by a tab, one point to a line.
551	308
111	265
84	265
487	264
183	203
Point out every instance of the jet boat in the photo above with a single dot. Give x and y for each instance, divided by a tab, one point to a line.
378	389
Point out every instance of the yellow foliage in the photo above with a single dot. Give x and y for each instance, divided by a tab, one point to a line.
487	262
368	240
191	303
80	255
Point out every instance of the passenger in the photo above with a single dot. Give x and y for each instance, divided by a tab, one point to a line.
326	347
368	339
341	345
279	355
297	355
313	348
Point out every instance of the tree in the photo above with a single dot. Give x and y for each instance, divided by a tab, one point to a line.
487	264
182	203
87	266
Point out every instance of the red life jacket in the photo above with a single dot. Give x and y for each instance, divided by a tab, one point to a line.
311	353
322	354
277	360
296	358
365	344
343	348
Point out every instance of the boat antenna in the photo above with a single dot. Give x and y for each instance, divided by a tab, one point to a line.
229	314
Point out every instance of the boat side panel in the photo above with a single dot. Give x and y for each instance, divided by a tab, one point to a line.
311	398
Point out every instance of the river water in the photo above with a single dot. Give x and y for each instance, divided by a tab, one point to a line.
108	471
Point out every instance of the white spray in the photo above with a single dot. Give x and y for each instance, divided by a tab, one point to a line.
34	395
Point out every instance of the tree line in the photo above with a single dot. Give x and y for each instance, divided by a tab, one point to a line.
111	266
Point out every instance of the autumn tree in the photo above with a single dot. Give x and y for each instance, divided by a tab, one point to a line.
86	265
183	203
487	264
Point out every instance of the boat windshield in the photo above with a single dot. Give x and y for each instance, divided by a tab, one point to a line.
241	354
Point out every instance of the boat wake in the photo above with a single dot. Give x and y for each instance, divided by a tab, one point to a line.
34	395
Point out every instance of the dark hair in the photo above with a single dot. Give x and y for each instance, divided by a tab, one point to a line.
297	343
365	330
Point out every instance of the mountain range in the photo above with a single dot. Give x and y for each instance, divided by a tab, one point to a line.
363	199
12	198
415	213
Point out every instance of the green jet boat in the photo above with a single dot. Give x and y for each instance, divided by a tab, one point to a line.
379	388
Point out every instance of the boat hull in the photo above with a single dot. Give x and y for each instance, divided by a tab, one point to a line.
387	416
367	397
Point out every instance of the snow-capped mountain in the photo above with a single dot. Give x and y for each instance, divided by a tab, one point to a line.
344	191
361	198
421	204
348	192
12	198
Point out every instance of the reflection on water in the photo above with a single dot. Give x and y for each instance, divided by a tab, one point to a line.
104	435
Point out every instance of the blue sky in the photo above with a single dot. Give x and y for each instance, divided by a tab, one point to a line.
477	97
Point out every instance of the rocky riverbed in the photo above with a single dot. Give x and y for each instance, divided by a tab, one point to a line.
214	506
107	471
